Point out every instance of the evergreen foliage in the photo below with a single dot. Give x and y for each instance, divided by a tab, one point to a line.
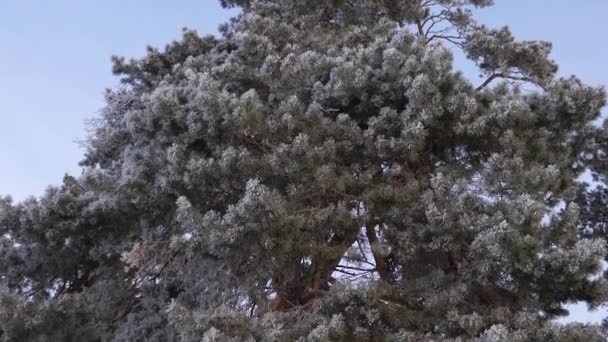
319	172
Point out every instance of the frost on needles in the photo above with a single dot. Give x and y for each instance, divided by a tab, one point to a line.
320	172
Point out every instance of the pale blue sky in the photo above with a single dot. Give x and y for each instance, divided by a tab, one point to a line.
55	64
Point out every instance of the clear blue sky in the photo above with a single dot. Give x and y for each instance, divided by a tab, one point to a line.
55	64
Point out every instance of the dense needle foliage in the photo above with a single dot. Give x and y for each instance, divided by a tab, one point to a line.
319	172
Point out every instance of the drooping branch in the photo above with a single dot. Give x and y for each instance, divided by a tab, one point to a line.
356	268
500	75
454	39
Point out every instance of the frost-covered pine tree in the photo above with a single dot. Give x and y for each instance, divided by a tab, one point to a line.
319	172
593	198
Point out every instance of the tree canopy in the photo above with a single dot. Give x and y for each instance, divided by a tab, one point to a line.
320	172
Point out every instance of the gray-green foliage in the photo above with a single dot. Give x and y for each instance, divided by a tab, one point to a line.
593	198
318	172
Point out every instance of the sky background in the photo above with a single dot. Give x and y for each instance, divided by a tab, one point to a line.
55	65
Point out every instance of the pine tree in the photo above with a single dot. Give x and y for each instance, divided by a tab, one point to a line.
593	198
319	172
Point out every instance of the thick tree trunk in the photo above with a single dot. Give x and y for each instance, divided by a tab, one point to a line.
383	266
